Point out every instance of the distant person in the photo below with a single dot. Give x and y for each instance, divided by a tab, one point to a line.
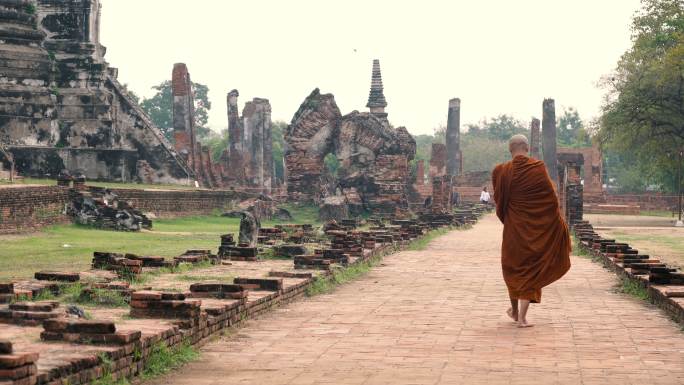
484	196
536	243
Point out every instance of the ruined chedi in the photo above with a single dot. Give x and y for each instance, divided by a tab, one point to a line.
549	138
534	138
62	106
376	97
453	138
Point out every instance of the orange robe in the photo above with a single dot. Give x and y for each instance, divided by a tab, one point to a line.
536	243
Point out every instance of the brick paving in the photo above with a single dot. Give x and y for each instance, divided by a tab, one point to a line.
437	316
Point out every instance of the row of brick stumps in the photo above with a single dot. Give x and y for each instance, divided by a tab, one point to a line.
664	283
190	317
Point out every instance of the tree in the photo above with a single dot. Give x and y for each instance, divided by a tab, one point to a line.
160	109
278	128
501	127
571	130
643	114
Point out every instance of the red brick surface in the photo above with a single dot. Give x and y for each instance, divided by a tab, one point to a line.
437	317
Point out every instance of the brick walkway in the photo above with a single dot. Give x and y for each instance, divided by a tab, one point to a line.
437	317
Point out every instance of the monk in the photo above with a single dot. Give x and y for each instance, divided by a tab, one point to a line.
536	243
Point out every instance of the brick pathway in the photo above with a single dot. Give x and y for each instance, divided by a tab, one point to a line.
437	317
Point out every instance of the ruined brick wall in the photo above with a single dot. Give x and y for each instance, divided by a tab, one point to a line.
31	208
593	166
648	201
181	203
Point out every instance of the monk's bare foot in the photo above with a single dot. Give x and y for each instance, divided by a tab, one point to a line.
510	313
524	324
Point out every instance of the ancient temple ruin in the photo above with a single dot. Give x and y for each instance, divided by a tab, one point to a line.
250	149
61	106
373	156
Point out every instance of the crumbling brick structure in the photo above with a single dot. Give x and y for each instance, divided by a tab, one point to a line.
250	148
373	156
593	167
570	189
62	105
197	156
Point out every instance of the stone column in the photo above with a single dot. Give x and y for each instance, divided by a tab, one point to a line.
235	139
267	165
183	114
549	138
534	138
453	138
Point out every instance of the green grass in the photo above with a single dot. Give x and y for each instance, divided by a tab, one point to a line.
657	213
52	182
633	288
71	247
21	257
163	359
75	294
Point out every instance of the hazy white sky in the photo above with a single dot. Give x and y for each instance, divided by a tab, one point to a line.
498	56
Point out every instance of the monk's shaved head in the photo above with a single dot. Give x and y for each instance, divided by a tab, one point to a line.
518	144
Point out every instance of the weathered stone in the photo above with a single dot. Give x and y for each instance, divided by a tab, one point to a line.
5	347
534	138
57	276
373	156
453	138
249	230
272	284
438	161
79	326
549	138
86	120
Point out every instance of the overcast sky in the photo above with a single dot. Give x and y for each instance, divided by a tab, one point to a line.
498	56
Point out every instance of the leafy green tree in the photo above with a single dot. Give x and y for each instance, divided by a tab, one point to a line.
500	128
160	109
643	116
278	128
571	130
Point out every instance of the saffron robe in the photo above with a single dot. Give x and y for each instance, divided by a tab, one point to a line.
536	242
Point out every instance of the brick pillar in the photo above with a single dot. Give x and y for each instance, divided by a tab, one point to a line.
236	139
549	138
183	115
438	160
453	138
267	163
534	138
420	172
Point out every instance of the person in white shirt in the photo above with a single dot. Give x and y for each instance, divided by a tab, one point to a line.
484	196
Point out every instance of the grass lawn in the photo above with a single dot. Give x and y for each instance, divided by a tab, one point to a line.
52	182
22	256
666	244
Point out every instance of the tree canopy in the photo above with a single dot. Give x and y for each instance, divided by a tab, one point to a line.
160	109
643	114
